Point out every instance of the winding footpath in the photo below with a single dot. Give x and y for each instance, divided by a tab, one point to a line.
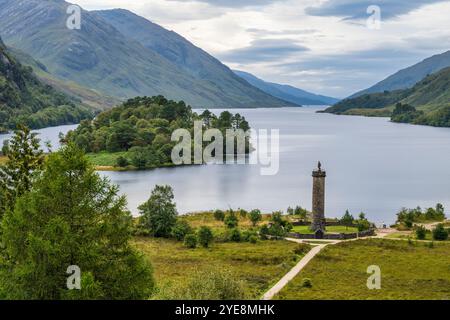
382	233
294	271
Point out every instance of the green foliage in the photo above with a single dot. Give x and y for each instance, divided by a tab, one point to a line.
142	128
235	235
408	217
255	216
347	219
440	233
253	239
159	213
231	220
181	229
426	103
219	215
306	283
71	216
362	223
405	113
243	213
278	227
205	236
301	212
190	241
24	100
122	162
25	159
421	233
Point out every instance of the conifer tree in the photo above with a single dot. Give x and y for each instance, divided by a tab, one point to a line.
71	217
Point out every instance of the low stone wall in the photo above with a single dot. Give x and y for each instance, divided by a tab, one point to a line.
334	236
328	224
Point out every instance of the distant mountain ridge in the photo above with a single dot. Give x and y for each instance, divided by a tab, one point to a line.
101	57
408	77
289	93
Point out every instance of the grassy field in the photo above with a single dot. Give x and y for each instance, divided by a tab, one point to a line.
3	160
260	265
408	271
105	159
330	229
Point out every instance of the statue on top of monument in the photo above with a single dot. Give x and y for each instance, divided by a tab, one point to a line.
319	165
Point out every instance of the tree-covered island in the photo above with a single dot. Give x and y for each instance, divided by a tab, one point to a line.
138	133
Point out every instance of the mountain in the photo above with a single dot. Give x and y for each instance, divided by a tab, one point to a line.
428	102
100	57
286	92
408	77
26	100
89	97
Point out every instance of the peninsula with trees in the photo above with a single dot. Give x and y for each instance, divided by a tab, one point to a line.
137	134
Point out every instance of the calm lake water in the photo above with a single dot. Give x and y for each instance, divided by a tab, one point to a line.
372	165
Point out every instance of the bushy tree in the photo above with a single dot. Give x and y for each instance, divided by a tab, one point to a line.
255	216
278	226
439	233
231	220
219	215
421	233
71	217
235	235
159	213
25	159
302	213
181	229
205	236
243	213
347	219
122	162
190	241
362	223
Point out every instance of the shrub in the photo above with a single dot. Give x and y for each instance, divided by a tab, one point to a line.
181	229
231	220
306	283
235	235
243	213
421	233
255	217
247	234
264	232
439	233
219	215
190	241
122	162
159	213
253	239
205	236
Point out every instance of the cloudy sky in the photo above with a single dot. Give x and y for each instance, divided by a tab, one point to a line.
324	46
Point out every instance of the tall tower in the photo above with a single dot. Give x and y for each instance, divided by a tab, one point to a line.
318	202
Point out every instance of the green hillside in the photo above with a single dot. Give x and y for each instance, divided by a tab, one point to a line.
89	97
408	77
26	100
428	102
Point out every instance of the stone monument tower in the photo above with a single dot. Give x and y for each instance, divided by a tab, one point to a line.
318	202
